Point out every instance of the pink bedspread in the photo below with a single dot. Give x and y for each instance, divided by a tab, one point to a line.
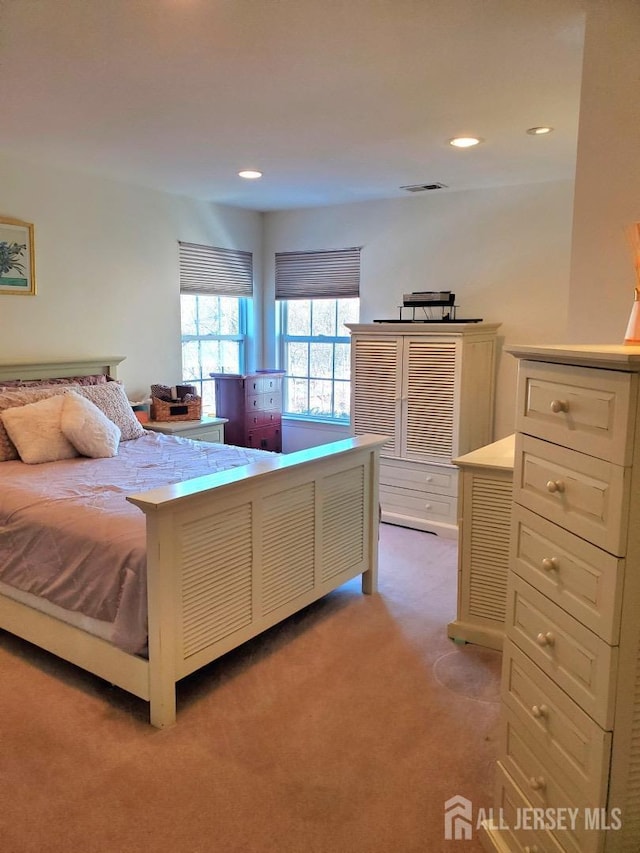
67	533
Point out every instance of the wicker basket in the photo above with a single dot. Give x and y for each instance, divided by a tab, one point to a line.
164	410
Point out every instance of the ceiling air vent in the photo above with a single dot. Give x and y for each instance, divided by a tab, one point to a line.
420	188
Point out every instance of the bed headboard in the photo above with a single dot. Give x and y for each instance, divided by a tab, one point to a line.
107	365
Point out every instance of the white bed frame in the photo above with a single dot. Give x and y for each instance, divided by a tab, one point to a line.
228	556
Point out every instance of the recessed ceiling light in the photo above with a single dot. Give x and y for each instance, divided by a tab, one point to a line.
250	174
464	141
539	131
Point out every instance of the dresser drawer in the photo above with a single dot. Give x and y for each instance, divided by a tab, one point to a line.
262	417
439	479
265	438
515	834
263	402
586	410
398	504
575	658
582	579
545	785
256	384
557	724
211	434
586	495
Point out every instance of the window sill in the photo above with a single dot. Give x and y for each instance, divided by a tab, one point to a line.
315	423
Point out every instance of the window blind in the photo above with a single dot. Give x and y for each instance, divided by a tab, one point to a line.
326	274
220	272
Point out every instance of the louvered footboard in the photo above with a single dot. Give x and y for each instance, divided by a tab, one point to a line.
229	555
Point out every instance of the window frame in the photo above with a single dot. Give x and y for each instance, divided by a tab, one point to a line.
284	339
241	338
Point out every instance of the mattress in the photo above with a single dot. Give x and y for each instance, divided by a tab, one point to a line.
69	537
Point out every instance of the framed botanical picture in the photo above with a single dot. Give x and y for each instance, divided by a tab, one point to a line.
17	268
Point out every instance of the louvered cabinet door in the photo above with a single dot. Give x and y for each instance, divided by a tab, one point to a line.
376	383
429	387
428	399
486	592
485	509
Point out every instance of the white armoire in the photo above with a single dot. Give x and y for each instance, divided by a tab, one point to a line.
569	744
430	388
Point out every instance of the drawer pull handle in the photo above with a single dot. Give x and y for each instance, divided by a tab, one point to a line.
550	564
427	506
555	486
547	639
428	479
538	783
558	406
539	711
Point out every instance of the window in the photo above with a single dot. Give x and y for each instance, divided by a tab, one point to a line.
213	339
316	356
215	286
318	294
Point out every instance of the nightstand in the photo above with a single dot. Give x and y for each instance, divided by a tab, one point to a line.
206	429
485	498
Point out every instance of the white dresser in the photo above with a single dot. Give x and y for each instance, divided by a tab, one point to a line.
484	523
430	388
570	729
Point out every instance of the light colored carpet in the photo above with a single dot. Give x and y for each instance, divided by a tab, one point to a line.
343	730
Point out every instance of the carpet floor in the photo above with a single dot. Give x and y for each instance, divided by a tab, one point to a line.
342	730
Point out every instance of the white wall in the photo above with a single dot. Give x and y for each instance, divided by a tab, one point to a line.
607	174
106	252
107	267
504	252
106	259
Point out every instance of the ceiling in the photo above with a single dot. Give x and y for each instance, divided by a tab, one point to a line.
334	100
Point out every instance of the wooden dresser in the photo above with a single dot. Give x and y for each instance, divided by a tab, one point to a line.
430	388
252	406
570	729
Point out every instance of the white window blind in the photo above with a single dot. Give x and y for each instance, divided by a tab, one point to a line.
220	272
325	274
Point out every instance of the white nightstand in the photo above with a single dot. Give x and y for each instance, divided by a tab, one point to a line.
206	429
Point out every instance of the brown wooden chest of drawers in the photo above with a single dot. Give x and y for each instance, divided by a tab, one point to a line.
252	405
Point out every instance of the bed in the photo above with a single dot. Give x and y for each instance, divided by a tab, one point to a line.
226	555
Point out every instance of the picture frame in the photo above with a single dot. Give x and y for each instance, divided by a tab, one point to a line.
17	264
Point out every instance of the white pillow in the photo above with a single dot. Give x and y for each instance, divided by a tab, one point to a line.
35	431
87	428
21	397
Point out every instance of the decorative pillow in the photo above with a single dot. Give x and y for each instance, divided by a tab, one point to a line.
87	428
111	399
35	431
21	397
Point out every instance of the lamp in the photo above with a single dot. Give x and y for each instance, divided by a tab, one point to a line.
632	334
